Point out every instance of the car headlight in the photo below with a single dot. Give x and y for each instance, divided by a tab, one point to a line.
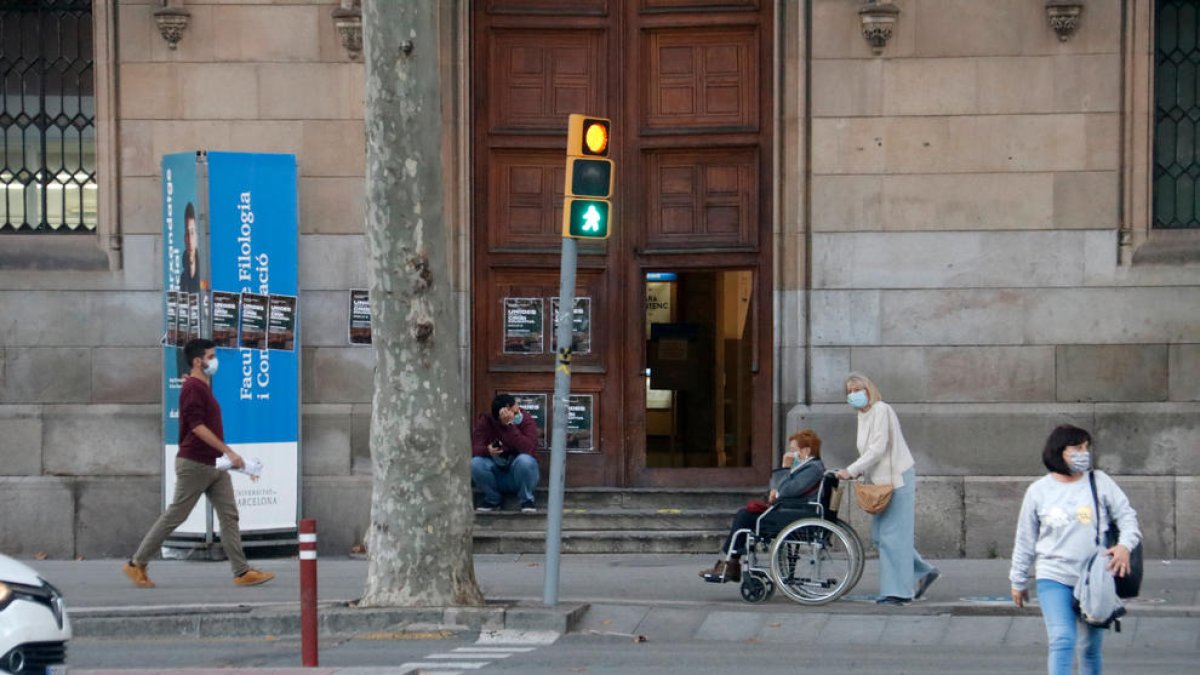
6	594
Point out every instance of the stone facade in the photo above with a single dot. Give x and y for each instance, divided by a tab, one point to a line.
951	221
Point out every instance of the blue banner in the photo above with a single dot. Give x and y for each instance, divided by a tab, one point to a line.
230	251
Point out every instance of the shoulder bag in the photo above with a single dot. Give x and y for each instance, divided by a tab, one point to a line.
1129	585
874	497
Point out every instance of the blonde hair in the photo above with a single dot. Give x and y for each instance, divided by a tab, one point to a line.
873	395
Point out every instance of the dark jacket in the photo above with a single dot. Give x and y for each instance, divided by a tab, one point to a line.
515	439
802	482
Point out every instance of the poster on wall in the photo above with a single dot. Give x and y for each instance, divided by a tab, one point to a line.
172	327
581	326
534	405
225	308
254	321
281	322
579	423
360	317
230	242
523	326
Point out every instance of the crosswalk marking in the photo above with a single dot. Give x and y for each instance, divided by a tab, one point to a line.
497	648
492	645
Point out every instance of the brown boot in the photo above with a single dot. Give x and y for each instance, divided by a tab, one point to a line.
723	571
253	577
137	574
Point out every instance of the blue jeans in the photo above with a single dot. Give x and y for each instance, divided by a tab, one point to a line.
1061	626
520	477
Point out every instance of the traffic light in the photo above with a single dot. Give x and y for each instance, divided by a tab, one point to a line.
589	178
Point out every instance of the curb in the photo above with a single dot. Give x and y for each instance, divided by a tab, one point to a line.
333	620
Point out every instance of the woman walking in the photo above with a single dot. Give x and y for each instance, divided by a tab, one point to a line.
884	458
1057	526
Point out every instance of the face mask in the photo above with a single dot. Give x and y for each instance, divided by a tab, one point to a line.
1078	462
858	399
517	419
210	367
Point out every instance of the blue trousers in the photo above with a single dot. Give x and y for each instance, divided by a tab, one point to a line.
1062	626
893	532
520	477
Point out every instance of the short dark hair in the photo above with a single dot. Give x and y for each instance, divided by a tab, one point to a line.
1062	436
195	349
189	213
501	401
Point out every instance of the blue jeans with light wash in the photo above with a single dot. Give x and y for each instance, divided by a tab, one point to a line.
1062	625
520	477
893	532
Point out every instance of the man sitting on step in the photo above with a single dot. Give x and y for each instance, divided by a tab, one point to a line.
502	462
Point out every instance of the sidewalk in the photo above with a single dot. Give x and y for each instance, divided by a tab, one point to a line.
601	594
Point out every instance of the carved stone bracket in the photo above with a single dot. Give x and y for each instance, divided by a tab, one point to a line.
347	19
172	22
878	17
1064	16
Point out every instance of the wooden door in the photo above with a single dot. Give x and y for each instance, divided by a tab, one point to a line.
688	86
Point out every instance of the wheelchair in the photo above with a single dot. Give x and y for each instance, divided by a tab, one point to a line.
812	557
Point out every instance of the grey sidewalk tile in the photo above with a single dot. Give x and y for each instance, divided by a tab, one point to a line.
1168	633
664	623
730	626
915	630
1026	630
853	630
978	630
612	619
792	628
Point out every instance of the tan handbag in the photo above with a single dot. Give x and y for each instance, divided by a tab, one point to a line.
874	497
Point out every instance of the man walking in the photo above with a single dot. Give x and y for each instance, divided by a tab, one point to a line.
502	447
201	442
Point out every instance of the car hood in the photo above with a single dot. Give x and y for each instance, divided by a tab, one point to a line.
17	573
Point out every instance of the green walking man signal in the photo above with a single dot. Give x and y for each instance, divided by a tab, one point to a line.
589	179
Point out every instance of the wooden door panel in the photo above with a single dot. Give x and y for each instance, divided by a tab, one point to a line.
549	7
541	285
694	5
701	198
701	79
538	77
525	192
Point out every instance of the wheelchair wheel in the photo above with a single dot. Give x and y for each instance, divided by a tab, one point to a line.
860	553
815	561
757	587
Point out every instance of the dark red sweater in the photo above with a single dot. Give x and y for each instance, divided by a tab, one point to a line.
515	439
198	406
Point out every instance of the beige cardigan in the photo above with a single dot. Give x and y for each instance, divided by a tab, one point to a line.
878	436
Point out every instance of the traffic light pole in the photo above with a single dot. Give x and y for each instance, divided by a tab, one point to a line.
558	433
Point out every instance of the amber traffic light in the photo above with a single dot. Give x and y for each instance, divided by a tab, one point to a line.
589	179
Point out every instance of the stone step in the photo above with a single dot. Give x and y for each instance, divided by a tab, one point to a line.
608	519
730	499
602	541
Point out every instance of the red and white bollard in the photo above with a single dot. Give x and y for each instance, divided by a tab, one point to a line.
308	592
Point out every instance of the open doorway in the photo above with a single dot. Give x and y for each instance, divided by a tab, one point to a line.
699	367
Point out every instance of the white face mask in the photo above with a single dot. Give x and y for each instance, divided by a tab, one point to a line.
517	419
210	366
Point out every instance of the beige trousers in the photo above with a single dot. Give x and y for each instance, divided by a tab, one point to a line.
193	479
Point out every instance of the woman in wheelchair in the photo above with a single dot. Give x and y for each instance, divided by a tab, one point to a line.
791	487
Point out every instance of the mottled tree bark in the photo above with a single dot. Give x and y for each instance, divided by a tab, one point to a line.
419	541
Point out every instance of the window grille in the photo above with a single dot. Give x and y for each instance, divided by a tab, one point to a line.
47	117
1177	114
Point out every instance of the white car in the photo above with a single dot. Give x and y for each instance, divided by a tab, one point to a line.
34	627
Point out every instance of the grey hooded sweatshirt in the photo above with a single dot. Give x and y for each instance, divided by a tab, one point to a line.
1057	526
